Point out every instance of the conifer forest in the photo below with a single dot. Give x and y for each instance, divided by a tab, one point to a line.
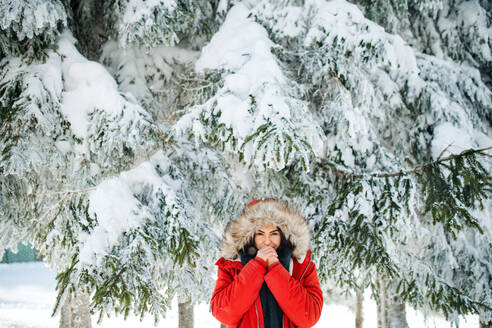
133	131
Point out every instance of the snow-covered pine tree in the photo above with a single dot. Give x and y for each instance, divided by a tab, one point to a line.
396	201
123	176
89	172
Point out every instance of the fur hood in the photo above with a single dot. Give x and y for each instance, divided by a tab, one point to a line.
269	211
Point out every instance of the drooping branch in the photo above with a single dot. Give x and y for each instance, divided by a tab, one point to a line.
64	193
465	153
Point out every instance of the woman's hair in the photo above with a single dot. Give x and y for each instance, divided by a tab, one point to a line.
284	242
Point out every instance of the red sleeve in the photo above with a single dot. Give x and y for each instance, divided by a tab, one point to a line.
232	297
301	303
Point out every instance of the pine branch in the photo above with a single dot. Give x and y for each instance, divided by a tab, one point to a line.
65	193
443	151
414	170
166	139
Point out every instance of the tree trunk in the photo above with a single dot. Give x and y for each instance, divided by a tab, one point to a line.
397	314
485	324
381	303
75	312
390	308
185	315
358	309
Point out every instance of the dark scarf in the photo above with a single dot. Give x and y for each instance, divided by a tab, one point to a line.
272	313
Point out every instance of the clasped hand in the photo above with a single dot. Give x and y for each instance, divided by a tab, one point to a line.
268	254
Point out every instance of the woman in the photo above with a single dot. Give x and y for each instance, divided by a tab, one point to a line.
266	278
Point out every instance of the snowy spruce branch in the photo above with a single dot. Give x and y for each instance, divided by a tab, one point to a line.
367	226
465	153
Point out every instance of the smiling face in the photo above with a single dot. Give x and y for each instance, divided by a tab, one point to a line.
267	235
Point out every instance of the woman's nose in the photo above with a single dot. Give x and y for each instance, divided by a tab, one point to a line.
267	241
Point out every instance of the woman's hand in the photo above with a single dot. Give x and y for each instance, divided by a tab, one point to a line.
268	254
271	260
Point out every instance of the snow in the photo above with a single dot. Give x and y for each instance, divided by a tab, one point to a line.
114	205
255	94
473	16
137	9
88	97
27	296
87	86
293	22
113	218
30	18
139	72
238	84
241	45
453	139
225	50
344	21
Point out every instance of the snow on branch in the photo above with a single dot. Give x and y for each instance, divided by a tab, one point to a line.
256	113
29	27
465	153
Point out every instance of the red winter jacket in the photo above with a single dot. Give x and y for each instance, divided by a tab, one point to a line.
236	300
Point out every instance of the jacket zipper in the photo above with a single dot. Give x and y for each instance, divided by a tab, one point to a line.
305	271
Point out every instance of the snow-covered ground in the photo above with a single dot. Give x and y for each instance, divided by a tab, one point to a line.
27	295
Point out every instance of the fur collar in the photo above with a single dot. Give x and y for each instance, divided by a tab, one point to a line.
270	211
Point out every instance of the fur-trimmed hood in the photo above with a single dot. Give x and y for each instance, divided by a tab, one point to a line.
241	231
